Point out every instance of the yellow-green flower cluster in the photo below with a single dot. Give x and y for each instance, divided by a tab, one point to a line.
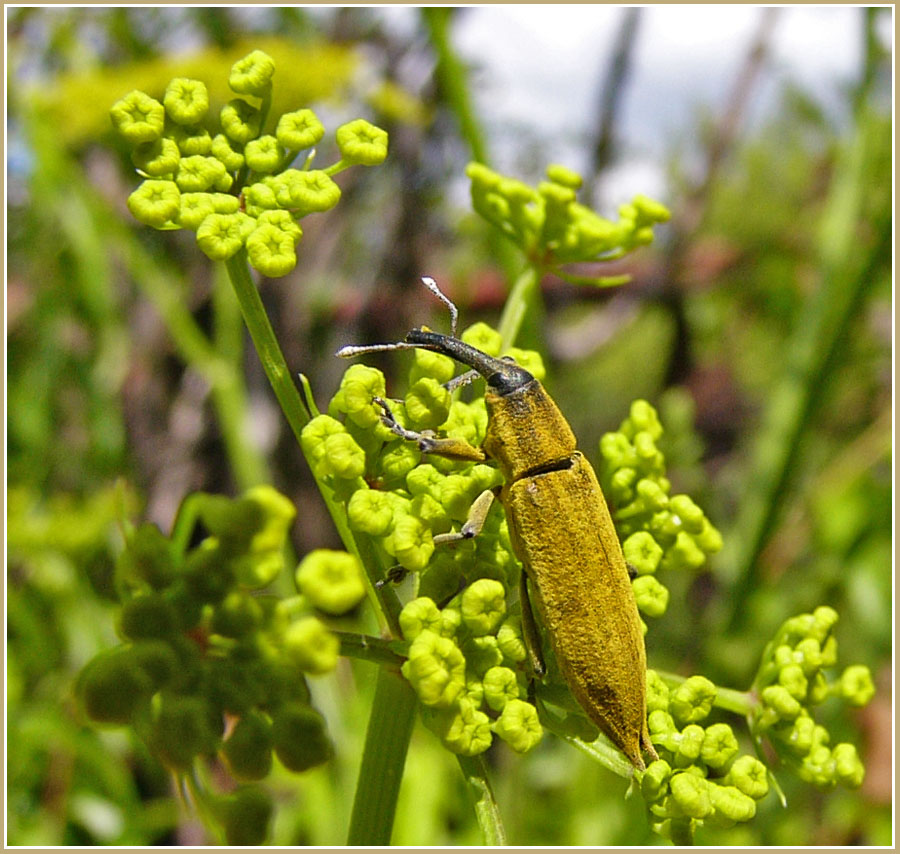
235	186
701	776
661	531
465	665
790	681
397	496
201	644
553	229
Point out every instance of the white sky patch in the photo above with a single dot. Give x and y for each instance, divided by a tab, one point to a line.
545	63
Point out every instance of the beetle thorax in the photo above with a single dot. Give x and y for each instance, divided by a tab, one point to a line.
526	431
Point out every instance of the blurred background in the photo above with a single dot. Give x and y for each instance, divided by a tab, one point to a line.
759	323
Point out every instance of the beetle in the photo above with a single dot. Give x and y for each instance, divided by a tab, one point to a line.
561	530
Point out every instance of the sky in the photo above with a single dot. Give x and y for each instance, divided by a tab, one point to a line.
686	60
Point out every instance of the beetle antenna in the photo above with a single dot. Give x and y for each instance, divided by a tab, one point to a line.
351	350
461	380
432	286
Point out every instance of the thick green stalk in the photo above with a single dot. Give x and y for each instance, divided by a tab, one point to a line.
230	395
266	344
387	741
368	648
487	811
276	369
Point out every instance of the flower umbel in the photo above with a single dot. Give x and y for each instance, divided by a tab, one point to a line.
172	148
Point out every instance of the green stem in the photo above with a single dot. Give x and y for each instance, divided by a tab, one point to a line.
602	751
681	832
368	648
185	519
266	344
230	394
523	299
453	80
387	741
487	811
276	369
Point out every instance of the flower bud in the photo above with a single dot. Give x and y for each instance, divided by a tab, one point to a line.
240	121
693	699
418	615
252	74
310	646
249	747
186	101
719	745
342	458
654	779
462	729
299	737
652	598
271	251
155	202
793	680
412	543
245	815
500	686
220	236
778	698
427	404
362	143
299	129
113	685
518	725
138	118
436	669
158	158
222	150
749	776
691	794
359	387
731	803
306	191
848	766
370	511
642	552
856	686
427	363
484	606
660	721
183	728
510	641
331	580
484	338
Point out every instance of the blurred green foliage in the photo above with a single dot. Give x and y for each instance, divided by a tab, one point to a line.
109	416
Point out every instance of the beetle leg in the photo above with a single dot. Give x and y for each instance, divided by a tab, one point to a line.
478	512
530	633
454	449
394	575
461	380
